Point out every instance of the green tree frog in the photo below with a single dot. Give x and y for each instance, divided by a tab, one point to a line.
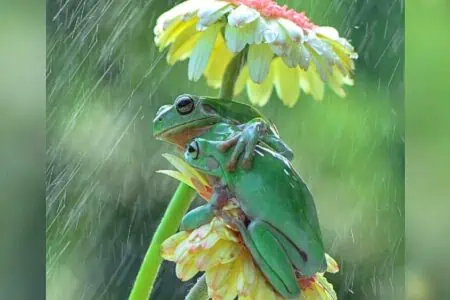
193	116
279	224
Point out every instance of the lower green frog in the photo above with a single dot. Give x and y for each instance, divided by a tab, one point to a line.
280	226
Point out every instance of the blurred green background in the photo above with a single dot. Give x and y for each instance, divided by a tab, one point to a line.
105	82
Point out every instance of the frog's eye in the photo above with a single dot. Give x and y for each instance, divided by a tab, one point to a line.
193	150
184	104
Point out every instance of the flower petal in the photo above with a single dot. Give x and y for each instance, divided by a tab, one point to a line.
202	51
219	60
332	265
304	58
184	11
278	38
184	168
241	80
259	59
242	15
286	82
183	44
177	175
238	37
316	85
259	94
186	269
211	12
294	31
169	246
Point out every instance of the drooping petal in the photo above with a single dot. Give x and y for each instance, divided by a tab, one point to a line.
186	269
182	47
177	175
212	11
234	39
184	11
277	38
316	85
242	15
217	277
259	59
219	60
286	82
170	245
238	37
294	32
184	168
332	265
202	51
304	58
166	37
241	81
259	94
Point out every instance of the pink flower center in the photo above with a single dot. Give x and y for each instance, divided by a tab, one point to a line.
270	9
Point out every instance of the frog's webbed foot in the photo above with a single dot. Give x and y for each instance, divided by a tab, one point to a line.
245	143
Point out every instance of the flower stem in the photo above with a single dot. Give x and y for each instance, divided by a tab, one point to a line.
178	206
231	75
199	291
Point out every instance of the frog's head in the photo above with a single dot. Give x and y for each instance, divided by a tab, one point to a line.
184	117
205	156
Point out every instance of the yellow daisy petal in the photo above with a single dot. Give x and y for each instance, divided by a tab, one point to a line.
182	47
186	269
171	244
286	82
184	168
242	15
241	80
177	175
219	60
259	59
221	280
201	52
211	12
316	85
259	94
332	265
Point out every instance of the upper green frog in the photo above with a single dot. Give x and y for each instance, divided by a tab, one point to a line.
279	223
193	116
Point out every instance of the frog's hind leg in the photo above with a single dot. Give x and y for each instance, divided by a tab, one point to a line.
296	256
270	257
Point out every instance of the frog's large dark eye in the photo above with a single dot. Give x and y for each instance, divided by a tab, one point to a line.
193	150
184	104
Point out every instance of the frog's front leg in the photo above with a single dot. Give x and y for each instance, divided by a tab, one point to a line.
245	143
205	213
270	256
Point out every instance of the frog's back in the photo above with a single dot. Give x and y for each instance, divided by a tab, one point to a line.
232	110
273	191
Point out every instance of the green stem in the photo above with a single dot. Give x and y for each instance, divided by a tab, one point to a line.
170	222
199	291
231	75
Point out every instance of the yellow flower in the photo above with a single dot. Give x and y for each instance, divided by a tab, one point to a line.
218	250
188	175
285	49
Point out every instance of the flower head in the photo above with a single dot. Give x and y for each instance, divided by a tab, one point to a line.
218	250
285	49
